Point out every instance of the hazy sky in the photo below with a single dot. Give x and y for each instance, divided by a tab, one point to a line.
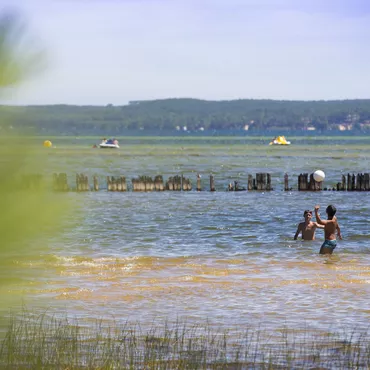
113	51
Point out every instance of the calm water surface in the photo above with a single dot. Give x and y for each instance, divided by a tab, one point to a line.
228	258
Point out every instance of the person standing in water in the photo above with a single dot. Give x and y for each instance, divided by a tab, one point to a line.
331	228
308	227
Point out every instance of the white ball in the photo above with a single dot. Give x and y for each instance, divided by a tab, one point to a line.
319	175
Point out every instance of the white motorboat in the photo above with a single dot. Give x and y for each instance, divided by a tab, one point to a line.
110	143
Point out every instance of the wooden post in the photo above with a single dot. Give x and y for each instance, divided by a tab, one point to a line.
349	182
123	183
140	184
250	182
119	184
169	184
114	184
303	181
367	181
199	183
353	182
65	186
184	183
178	182
96	183
360	182
263	181
158	183
258	181
313	185
190	185
268	182
286	182
79	182
212	183
146	182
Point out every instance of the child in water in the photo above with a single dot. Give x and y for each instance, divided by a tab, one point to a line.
308	227
331	227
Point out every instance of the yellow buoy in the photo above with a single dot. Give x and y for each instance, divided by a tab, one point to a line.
47	143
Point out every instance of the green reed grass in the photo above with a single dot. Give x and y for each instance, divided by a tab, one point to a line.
43	342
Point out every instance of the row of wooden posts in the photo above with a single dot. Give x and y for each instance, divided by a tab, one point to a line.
261	182
142	183
359	182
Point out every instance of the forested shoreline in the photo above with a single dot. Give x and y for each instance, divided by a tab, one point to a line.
192	115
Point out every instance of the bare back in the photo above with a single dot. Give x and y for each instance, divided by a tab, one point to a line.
330	229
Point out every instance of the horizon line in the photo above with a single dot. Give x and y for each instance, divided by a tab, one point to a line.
133	102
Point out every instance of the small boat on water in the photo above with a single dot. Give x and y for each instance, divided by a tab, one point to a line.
110	143
279	140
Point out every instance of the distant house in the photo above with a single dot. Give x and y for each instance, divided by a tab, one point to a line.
246	127
310	128
344	127
365	125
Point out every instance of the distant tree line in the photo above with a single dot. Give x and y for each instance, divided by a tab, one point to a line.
192	115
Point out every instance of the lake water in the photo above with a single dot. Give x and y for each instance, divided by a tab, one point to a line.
228	258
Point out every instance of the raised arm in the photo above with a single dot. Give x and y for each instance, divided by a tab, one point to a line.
318	218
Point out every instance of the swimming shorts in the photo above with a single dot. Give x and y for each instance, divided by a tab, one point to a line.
329	244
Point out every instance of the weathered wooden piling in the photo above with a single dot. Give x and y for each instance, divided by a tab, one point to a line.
158	183
116	183
353	182
169	184
60	182
359	182
142	183
303	181
212	183
82	182
250	182
186	184
95	183
199	183
174	183
308	183
262	182
367	181
123	183
341	186
286	182
268	182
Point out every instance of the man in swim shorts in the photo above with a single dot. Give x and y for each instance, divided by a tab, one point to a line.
331	227
308	227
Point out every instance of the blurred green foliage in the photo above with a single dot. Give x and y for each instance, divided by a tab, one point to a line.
20	55
28	209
